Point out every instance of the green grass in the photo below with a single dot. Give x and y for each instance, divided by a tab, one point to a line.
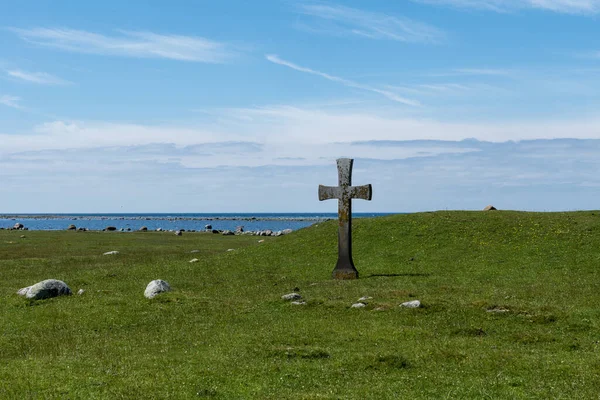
224	332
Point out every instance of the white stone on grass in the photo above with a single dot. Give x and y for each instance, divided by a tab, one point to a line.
411	304
298	303
291	296
195	251
45	290
358	305
156	287
364	298
80	292
193	260
110	253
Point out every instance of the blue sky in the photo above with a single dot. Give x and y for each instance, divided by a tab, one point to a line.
237	106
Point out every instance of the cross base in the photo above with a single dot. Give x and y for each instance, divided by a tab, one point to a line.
345	273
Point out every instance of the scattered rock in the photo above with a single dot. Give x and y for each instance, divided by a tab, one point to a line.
286	231
195	251
158	229
298	303
143	229
72	228
498	310
156	287
364	298
178	233
227	233
193	260
18	225
411	304
490	208
261	240
291	296
239	229
45	290
23	236
128	229
207	227
122	229
111	228
215	231
379	309
358	305
110	253
230	249
80	292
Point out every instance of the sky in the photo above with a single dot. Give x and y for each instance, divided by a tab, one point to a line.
239	106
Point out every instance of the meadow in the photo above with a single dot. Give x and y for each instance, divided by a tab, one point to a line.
510	309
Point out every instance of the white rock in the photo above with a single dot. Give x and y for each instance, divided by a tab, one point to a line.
80	292
230	249
195	251
23	291
156	287
110	253
47	289
262	240
291	296
411	304
298	303
358	305
193	260
158	229
364	298
286	231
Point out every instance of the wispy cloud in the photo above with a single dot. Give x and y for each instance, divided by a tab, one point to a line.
130	44
40	78
389	94
340	20
559	6
11	101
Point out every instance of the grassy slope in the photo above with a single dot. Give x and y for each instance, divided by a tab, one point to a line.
225	333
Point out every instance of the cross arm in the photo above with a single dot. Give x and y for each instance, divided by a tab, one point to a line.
364	192
329	192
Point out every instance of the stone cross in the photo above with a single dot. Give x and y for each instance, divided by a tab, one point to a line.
345	192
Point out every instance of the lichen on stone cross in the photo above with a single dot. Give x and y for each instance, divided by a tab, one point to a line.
344	193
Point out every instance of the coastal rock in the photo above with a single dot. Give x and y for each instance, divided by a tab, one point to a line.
18	225
156	287
358	305
72	228
364	298
227	233
143	229
239	229
158	229
45	290
193	260
215	231
110	253
490	208
411	304
208	227
111	228
298	303
286	231
178	233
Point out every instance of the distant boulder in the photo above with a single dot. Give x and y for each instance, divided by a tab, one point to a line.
18	225
110	253
178	233
227	233
72	228
490	208
208	227
143	229
156	287
45	290
111	228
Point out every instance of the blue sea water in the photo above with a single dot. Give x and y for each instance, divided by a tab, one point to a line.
187	221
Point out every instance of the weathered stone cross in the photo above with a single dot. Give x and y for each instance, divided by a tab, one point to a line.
344	268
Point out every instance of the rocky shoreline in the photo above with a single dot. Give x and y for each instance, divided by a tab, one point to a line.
159	218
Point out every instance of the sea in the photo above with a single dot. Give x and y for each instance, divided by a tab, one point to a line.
175	221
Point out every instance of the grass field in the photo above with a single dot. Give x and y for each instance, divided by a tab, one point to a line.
511	309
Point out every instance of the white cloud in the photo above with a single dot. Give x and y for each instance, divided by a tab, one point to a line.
559	6
40	78
130	44
350	21
390	95
10	101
